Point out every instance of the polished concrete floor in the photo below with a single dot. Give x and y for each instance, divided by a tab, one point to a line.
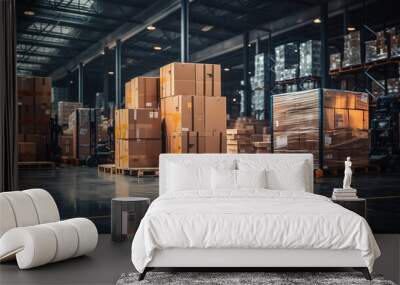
103	266
82	191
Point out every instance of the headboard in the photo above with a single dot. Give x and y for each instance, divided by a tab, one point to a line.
210	159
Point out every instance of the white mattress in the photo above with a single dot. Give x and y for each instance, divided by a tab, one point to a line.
252	219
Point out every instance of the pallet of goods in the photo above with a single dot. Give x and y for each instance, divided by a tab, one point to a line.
193	112
247	135
297	125
138	127
34	111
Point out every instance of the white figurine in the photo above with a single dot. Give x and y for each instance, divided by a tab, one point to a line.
347	174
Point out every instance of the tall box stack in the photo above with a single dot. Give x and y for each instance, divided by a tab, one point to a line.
192	109
394	42
84	125
286	62
345	125
352	49
376	49
34	112
138	126
65	109
310	58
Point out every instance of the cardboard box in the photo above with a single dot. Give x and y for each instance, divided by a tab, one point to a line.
65	142
25	84
42	145
356	119
190	79
26	151
183	142
139	153
64	111
26	115
117	155
183	113
215	114
139	124
142	92
42	86
214	143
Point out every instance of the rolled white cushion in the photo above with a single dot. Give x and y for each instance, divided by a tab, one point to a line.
87	235
7	218
45	205
67	240
33	246
23	208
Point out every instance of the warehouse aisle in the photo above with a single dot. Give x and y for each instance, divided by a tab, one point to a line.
82	191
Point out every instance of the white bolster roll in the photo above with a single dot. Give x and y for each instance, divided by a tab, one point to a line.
87	235
45	205
23	208
7	218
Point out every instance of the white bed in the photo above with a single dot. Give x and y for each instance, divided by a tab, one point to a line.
281	225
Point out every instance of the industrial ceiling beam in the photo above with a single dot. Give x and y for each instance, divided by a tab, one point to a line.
81	12
151	15
42	54
46	44
48	19
53	35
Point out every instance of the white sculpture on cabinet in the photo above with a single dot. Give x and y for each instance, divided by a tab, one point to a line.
347	174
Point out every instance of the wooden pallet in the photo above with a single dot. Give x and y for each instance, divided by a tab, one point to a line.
36	165
107	168
138	172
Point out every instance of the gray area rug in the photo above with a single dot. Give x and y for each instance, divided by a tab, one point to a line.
269	278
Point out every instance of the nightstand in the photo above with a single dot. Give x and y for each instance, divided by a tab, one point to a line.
357	205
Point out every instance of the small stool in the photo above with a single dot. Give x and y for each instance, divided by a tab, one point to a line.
126	214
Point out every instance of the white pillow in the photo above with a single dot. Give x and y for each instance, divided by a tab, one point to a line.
184	177
223	179
251	178
282	174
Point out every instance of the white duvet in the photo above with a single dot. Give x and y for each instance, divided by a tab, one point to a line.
250	219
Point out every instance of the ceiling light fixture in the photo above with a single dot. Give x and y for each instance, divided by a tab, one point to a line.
157	48
249	45
111	73
227	69
317	21
207	28
29	13
151	28
71	82
351	28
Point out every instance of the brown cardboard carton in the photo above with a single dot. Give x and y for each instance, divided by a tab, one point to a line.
215	114
26	151
42	86
139	123
65	142
142	92
365	120
362	101
25	114
215	143
117	125
25	84
139	153
117	154
42	145
183	142
341	118
329	118
183	113
356	119
178	79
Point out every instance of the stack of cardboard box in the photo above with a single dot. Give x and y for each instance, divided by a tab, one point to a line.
34	108
296	119
64	111
192	109
247	135
138	127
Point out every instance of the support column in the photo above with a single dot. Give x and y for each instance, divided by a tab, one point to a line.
324	78
184	30
258	46
80	82
324	46
268	89
106	80
118	78
246	77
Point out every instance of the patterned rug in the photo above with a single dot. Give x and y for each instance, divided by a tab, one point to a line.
268	278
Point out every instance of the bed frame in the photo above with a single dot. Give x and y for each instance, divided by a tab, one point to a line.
242	259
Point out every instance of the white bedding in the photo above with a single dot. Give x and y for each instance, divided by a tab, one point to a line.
250	219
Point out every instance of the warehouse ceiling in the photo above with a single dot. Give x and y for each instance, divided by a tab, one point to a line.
53	33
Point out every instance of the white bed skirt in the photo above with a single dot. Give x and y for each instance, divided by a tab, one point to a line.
177	257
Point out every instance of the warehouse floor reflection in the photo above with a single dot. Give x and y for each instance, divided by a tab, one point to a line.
82	191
